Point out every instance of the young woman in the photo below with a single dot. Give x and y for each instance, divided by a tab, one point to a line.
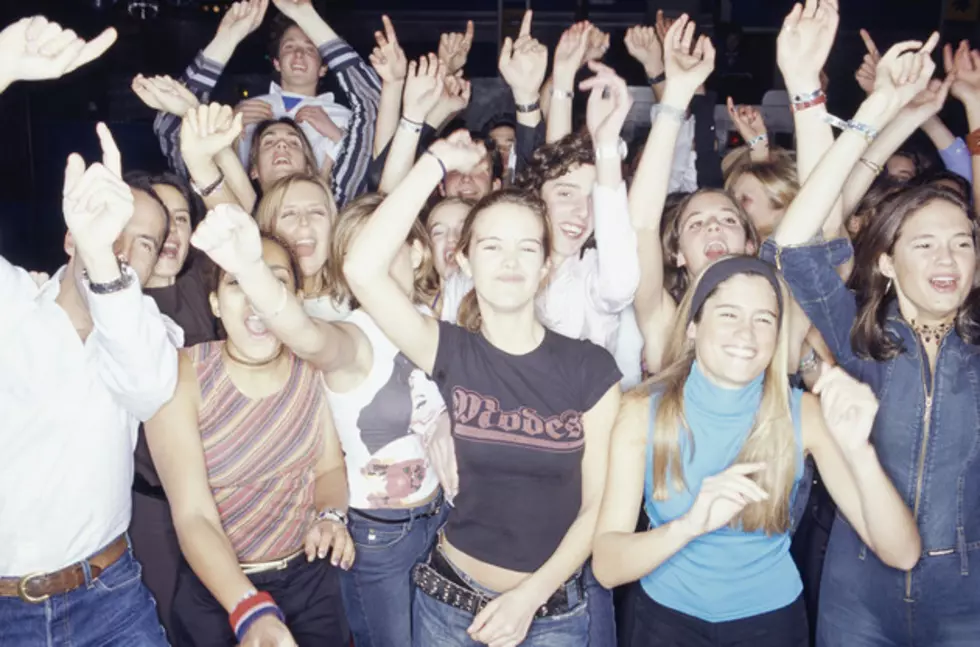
714	450
764	190
254	474
444	224
910	333
279	149
386	411
300	210
531	412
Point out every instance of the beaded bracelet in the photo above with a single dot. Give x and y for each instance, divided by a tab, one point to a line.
250	609
758	139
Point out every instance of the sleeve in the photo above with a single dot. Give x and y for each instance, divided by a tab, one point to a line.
683	173
452	338
707	161
598	372
200	77
526	141
956	158
16	285
612	283
363	89
810	271
135	350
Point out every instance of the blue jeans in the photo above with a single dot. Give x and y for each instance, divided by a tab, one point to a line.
437	623
377	590
114	609
602	615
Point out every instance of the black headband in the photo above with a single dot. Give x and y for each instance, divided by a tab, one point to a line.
725	269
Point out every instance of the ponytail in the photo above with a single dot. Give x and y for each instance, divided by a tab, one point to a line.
469	312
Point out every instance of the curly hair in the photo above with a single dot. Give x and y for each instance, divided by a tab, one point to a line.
551	161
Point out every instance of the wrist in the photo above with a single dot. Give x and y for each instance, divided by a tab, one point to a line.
524	97
681	529
676	96
653	70
101	265
414	116
563	80
221	48
860	456
802	84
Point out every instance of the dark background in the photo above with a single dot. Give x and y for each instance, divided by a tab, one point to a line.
43	122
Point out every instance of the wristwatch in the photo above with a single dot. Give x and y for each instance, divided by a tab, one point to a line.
126	278
332	514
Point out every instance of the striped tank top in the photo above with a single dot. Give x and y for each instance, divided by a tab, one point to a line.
260	455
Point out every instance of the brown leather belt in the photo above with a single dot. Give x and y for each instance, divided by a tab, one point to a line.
38	587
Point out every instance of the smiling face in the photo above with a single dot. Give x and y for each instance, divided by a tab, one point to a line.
445	223
736	333
299	63
304	222
709	227
474	185
569	200
280	153
933	262
506	256
248	338
175	248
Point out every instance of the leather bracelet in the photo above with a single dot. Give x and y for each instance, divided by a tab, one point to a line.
973	142
657	80
211	188
528	107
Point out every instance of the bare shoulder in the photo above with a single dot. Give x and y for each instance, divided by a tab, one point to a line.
633	418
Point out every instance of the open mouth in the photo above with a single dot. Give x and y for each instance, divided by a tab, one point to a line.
305	247
255	326
740	352
281	160
945	284
571	230
715	250
170	251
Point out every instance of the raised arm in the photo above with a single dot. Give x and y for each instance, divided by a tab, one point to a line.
568	58
899	79
966	66
752	129
368	262
388	60
644	45
230	237
837	432
523	64
207	131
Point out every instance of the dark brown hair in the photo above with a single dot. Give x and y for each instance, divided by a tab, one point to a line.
469	310
869	336
308	155
551	161
677	279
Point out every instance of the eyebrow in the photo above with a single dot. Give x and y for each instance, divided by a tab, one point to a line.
156	242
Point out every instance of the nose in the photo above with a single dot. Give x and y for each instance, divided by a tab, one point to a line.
944	255
713	224
744	330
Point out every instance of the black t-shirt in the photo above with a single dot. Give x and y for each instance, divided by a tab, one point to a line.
517	425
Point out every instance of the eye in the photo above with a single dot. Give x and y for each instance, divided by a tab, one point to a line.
923	245
731	221
726	314
533	249
694	225
147	246
182	219
491	247
766	320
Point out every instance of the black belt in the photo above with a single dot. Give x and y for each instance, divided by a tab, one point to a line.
144	487
438	579
431	513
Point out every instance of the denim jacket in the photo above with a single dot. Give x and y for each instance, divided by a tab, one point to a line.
927	432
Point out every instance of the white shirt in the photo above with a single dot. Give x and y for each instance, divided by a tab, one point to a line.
683	168
69	412
322	145
586	294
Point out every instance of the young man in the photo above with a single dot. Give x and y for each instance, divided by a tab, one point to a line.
86	357
303	51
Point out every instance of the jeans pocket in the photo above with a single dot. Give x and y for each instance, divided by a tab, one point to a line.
124	573
368	535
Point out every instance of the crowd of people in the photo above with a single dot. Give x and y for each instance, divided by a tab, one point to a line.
350	373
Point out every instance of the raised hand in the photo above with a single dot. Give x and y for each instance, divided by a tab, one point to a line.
663	25
230	237
930	101
321	122
454	48
570	54
722	497
164	94
849	409
523	63
254	111
804	43
609	104
964	64
747	119
598	44
865	76
96	202
904	71
33	49
459	152
644	45
330	537
207	130
388	58
423	87
687	68
242	18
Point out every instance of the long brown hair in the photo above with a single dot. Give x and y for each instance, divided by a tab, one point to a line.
350	221
772	439
308	154
469	310
677	279
869	336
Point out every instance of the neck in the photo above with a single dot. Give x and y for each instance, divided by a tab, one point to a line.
313	285
516	333
918	318
244	362
73	302
160	281
306	89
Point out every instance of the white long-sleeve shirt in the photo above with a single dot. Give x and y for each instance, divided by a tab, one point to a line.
69	412
585	295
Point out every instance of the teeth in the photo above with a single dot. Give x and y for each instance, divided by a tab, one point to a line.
716	246
572	231
255	325
743	353
306	241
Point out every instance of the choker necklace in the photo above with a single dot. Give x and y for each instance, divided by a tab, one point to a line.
253	364
930	333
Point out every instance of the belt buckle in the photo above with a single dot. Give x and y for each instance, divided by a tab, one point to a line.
22	590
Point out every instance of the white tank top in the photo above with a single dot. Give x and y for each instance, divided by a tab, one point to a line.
381	424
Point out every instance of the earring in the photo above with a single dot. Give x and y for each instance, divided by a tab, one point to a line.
888	286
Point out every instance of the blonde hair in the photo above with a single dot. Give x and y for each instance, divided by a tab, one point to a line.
269	208
771	441
350	221
778	178
469	309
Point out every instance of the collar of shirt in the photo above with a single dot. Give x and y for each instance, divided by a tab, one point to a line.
276	90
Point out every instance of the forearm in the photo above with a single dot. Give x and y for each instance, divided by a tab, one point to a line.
236	179
204	173
937	132
330	489
972	105
559	122
401	157
212	558
617	273
389	111
622	557
574	549
315	27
